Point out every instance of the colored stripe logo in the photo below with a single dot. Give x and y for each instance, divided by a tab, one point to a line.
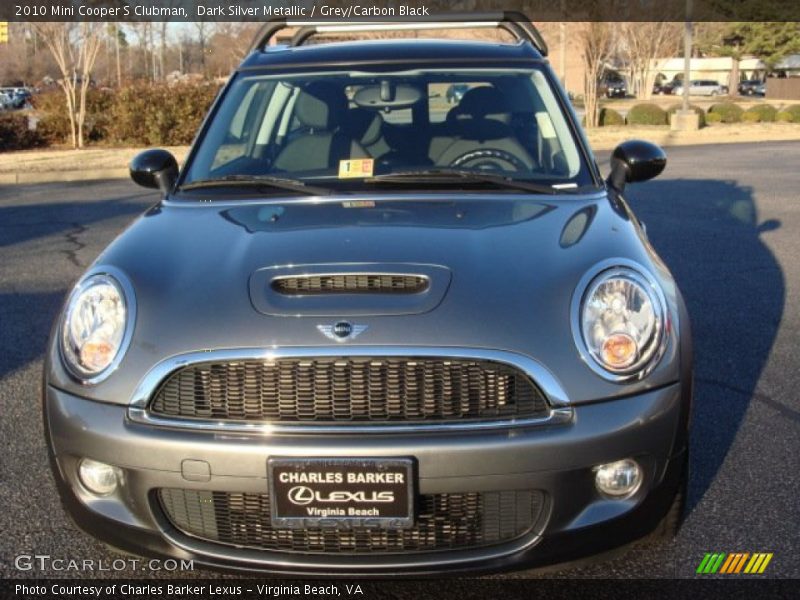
734	563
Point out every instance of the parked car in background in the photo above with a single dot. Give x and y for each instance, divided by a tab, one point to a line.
749	86
15	98
664	88
6	102
760	89
702	87
612	87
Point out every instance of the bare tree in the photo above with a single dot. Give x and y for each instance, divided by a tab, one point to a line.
74	47
203	33
231	41
641	44
162	50
597	41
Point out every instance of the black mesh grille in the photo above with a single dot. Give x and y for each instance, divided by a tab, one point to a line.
352	389
374	283
444	522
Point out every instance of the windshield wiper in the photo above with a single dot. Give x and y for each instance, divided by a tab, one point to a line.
293	185
459	174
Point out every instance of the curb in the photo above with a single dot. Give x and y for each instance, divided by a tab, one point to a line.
21	178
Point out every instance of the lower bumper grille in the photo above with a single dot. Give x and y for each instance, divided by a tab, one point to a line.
444	522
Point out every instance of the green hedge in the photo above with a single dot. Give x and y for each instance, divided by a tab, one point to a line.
713	118
761	113
127	116
608	116
728	112
182	108
701	114
16	135
647	114
53	124
790	114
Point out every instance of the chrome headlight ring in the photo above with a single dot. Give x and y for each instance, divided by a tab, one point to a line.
96	326
645	293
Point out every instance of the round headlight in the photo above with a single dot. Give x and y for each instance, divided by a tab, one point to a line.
622	321
93	331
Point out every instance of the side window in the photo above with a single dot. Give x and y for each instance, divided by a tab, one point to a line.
239	137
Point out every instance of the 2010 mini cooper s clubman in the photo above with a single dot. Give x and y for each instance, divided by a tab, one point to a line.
371	329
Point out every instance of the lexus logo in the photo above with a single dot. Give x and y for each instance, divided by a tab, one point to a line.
341	331
302	495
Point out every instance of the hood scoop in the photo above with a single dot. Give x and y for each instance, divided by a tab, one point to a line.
340	290
350	283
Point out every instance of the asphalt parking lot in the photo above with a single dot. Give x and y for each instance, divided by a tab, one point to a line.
724	218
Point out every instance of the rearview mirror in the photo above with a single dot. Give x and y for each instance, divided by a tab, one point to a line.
634	161
155	169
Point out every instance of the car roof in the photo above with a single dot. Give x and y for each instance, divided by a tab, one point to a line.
409	52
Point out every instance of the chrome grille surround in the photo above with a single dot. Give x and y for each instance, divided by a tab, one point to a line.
558	409
349	389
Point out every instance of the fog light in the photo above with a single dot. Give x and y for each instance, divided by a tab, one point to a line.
618	479
99	478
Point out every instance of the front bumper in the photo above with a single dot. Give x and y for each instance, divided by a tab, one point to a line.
576	520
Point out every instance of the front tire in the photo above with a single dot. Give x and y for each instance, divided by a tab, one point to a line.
669	526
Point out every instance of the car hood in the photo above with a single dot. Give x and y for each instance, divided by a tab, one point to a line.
503	271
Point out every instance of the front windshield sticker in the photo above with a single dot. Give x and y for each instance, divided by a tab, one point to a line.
356	167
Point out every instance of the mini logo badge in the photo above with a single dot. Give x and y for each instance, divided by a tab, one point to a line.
341	331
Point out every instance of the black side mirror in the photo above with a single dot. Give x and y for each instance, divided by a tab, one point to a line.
633	161
155	169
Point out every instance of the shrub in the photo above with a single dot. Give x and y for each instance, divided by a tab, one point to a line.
16	135
647	114
608	116
728	112
763	112
701	114
783	117
793	113
136	116
713	118
53	125
181	110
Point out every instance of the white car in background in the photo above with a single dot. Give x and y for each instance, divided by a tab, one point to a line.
702	87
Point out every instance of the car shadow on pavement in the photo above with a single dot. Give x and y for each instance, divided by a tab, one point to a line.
23	222
708	233
26	321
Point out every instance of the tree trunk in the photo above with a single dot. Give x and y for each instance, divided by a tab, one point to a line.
590	100
119	65
733	80
163	50
68	86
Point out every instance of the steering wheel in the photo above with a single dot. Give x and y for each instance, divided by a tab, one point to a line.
489	159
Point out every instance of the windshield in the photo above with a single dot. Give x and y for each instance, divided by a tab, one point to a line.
353	130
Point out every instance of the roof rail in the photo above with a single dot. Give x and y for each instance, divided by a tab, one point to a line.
513	22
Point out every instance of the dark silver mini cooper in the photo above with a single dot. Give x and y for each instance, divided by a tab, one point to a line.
372	327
